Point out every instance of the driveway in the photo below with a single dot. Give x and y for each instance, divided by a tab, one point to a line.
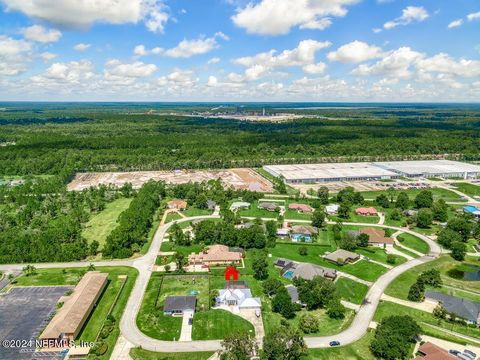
186	332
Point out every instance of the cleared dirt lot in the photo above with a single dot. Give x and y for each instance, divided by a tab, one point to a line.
236	178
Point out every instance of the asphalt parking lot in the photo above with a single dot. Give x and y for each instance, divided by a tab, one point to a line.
24	313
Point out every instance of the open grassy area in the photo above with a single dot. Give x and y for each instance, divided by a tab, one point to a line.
468	189
215	324
141	354
173	216
380	255
350	290
386	308
194	211
445	264
413	242
362	269
359	350
357	218
70	276
101	225
405	251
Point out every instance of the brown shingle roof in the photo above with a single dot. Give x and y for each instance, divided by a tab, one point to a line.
216	253
377	236
430	351
75	310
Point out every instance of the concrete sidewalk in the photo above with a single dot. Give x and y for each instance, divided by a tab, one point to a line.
186	333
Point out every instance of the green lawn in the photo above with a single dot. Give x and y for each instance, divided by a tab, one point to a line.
350	290
359	350
357	218
194	211
215	324
150	319
49	277
405	251
413	242
445	264
386	308
141	354
173	216
362	269
101	225
379	254
468	189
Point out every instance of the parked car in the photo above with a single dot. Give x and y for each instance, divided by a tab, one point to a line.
454	352
470	354
334	343
190	321
257	313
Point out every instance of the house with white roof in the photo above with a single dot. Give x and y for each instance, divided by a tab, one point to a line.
332	209
238	297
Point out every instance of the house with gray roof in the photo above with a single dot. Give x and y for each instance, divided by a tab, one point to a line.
293	293
465	309
342	257
177	305
269	206
309	271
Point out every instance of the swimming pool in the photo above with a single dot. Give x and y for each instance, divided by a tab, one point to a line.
288	274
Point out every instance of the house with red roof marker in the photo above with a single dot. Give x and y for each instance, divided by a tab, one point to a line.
231	272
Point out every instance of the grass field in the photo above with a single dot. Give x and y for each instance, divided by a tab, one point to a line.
413	242
141	354
194	211
379	254
445	264
405	251
215	324
350	290
48	277
468	189
386	308
101	225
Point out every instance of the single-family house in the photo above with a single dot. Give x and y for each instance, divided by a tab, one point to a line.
238	297
342	257
177	204
303	233
429	351
370	211
238	205
377	237
293	293
304	208
465	309
332	209
216	255
269	206
291	270
177	305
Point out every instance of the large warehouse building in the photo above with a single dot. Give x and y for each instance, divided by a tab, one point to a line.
315	173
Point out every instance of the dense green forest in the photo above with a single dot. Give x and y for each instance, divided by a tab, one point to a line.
47	139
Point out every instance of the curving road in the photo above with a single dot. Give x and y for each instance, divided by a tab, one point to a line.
144	265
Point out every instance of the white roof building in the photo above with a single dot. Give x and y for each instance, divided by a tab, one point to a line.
332	209
239	297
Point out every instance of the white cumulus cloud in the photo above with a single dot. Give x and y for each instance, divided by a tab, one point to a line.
41	34
473	16
354	52
84	13
81	47
409	14
455	23
13	55
277	17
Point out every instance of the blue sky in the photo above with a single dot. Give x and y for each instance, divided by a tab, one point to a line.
237	50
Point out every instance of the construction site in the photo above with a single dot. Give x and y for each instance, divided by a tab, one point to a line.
240	179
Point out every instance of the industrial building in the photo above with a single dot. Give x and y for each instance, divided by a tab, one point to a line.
363	171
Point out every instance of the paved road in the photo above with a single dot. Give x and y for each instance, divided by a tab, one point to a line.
144	265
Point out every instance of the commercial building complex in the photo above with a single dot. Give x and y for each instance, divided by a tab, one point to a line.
315	173
71	317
